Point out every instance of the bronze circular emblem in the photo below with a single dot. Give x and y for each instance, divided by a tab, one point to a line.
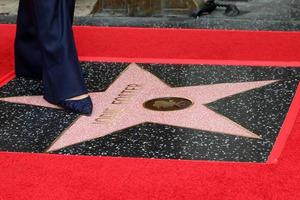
168	104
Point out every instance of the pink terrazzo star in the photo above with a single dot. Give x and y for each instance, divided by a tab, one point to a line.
121	106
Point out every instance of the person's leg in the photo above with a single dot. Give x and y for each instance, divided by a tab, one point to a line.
28	58
62	74
71	4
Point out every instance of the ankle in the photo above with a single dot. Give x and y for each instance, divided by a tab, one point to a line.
79	97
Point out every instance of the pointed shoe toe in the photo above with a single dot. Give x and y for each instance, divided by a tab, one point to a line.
82	106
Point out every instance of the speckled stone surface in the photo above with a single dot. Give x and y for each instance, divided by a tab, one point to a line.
28	128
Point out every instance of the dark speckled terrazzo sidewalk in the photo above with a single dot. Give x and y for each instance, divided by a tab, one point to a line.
27	128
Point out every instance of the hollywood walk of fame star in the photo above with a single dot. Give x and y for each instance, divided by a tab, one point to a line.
122	106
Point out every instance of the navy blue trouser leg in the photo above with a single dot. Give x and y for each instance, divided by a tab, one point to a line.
28	57
45	47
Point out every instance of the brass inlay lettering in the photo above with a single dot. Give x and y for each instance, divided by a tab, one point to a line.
124	97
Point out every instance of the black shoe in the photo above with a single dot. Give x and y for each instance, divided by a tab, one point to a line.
207	8
81	106
231	11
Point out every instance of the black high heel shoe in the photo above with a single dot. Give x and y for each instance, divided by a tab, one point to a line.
81	106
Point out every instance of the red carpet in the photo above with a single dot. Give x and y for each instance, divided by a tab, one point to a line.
173	46
33	177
